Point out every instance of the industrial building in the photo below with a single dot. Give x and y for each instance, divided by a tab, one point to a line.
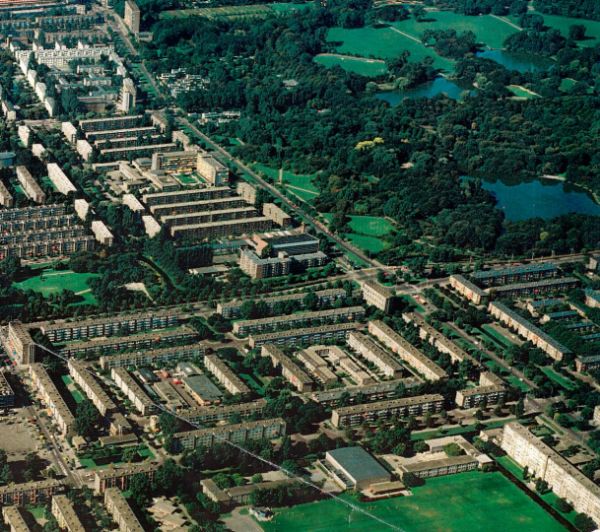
564	479
528	330
352	416
245	327
407	352
289	369
309	335
266	429
355	468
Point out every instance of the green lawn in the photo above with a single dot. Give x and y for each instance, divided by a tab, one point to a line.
490	331
77	396
366	243
301	185
522	92
558	378
358	65
370	225
562	24
465	502
50	282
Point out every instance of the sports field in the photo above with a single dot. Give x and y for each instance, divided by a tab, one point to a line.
50	282
358	65
468	501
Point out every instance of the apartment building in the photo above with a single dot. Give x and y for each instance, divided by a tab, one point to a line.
30	492
377	295
231	309
14	520
241	433
528	330
18	343
120	476
515	274
131	16
61	414
208	216
7	394
308	335
289	369
65	515
247	191
98	347
216	413
491	391
407	352
29	185
82	376
311	359
154	199
277	214
55	246
133	391
39	224
534	288
565	480
119	509
59	179
262	268
166	210
153	357
444	345
587	363
468	290
245	327
225	375
213	171
290	242
592	298
369	392
352	416
370	351
63	331
211	230
6	199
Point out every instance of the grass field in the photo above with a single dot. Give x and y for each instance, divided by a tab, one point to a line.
468	501
358	65
50	282
366	243
300	185
522	92
562	24
490	331
558	378
371	225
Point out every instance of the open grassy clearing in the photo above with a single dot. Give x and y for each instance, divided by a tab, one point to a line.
371	225
358	65
522	92
562	24
301	185
558	378
468	501
366	243
50	282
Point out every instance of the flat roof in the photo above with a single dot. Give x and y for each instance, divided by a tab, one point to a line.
358	464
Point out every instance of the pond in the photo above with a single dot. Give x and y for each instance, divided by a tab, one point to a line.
516	61
541	198
427	90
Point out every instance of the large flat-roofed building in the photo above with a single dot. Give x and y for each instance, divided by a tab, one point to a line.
369	350
351	416
187	195
110	123
64	513
213	171
103	346
440	467
356	468
201	388
30	186
437	339
30	492
59	179
468	290
152	357
165	210
61	413
289	369
406	351
245	327
201	217
122	514
515	274
82	375
120	476
7	394
231	309
14	520
292	243
528	330
263	268
225	375
133	391
19	344
209	230
377	295
216	413
229	497
565	480
63	331
491	391
309	335
266	429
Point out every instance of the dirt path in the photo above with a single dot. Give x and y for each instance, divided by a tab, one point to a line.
506	21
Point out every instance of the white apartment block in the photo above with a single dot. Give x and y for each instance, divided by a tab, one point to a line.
59	179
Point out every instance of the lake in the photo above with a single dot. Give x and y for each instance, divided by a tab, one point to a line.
426	90
542	198
516	61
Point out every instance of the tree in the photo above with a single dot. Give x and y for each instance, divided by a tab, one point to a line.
453	449
562	505
584	522
5	473
577	32
86	418
140	489
411	480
